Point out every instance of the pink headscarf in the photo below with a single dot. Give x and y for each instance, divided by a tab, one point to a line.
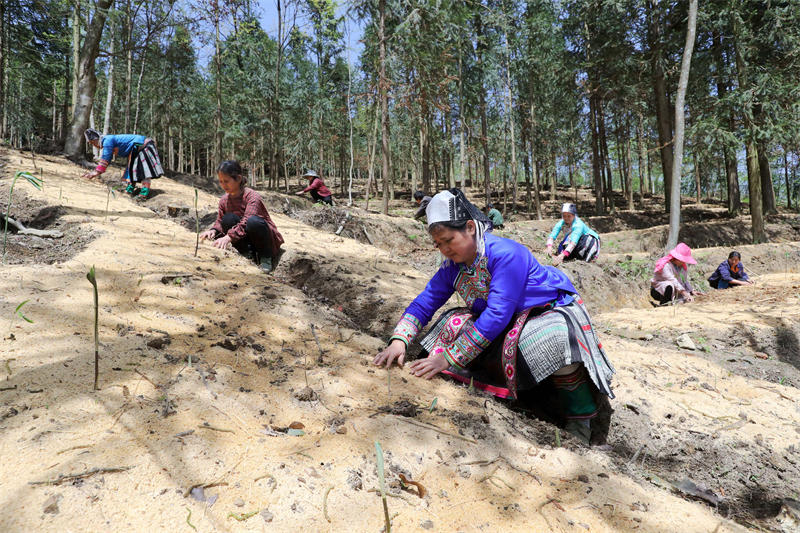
681	252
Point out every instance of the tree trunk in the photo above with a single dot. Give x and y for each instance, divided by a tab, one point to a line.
462	156
128	63
662	102
786	178
683	81
753	175
642	151
512	132
600	208
76	52
383	86
609	185
87	83
218	86
372	146
110	89
628	165
767	189
139	90
698	195
480	49
537	204
3	39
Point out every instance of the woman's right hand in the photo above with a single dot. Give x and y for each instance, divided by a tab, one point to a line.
208	235
395	351
549	251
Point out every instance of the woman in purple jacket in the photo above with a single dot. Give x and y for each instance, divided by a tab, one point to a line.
730	273
523	322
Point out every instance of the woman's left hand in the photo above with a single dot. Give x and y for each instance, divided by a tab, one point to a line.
429	367
558	259
223	242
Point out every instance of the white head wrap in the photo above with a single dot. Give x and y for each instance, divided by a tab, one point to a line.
453	206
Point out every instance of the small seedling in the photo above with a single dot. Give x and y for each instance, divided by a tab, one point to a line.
196	224
558	438
93	280
33	180
109	194
18	312
433	405
382	485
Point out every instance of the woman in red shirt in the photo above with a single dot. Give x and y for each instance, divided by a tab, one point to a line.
319	192
243	221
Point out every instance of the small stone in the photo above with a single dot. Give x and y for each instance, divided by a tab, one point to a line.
306	394
51	504
341	430
159	342
238	502
354	480
267	516
685	342
426	524
761	355
583	478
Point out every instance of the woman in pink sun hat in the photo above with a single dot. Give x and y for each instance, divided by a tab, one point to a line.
671	276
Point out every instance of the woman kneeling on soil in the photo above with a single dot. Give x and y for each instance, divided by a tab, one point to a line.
243	221
671	276
579	242
523	323
730	273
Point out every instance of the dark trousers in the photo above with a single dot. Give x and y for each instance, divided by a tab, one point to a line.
257	239
662	299
720	284
318	198
586	250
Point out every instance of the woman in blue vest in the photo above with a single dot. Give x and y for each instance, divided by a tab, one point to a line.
143	162
523	324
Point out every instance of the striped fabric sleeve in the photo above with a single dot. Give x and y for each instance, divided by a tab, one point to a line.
466	348
406	329
101	166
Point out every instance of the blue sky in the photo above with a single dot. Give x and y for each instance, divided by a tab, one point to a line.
268	15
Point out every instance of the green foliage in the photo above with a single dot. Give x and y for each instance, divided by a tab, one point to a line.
93	280
18	312
382	484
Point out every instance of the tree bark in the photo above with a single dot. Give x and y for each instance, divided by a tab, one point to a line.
537	204
383	85
218	85
600	208
662	102
753	173
110	80
767	188
3	39
480	49
76	51
683	81
87	82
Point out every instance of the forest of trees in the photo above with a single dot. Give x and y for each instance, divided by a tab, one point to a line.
509	97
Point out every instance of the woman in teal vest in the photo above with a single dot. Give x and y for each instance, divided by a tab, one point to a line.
579	242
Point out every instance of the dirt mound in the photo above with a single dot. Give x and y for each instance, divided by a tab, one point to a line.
362	301
36	214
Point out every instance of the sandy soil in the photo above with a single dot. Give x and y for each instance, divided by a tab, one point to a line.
222	420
